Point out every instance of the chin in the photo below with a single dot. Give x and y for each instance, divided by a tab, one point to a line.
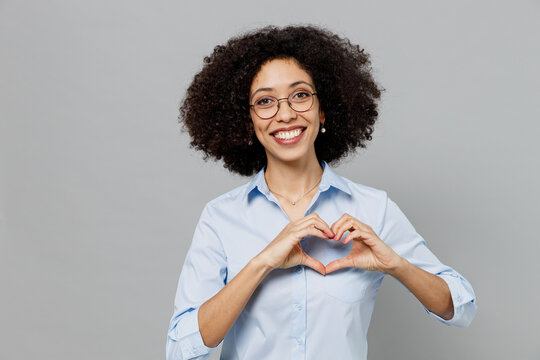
289	155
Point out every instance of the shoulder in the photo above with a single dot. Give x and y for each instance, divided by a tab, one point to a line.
365	194
365	202
358	192
230	201
365	191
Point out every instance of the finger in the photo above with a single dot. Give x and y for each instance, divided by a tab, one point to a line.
321	225
349	224
339	264
338	222
356	234
307	218
312	230
314	218
314	264
342	226
318	224
325	226
370	239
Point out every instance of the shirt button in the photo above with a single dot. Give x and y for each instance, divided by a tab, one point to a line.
299	341
299	269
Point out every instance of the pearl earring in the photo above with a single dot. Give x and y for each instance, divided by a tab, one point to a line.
323	130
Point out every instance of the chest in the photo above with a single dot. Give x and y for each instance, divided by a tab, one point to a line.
294	212
246	232
286	288
298	210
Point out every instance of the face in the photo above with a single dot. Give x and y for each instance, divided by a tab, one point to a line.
279	78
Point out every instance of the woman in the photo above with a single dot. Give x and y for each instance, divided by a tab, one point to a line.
288	265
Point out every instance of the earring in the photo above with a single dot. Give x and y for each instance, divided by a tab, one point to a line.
323	130
250	142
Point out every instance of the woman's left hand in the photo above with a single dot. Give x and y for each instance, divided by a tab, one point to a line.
368	251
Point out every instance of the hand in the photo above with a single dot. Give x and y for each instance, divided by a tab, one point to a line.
285	250
368	251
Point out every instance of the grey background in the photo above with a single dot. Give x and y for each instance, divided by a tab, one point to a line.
100	193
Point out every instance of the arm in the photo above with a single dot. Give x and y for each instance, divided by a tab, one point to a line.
205	308
371	253
397	231
218	314
400	251
203	274
429	289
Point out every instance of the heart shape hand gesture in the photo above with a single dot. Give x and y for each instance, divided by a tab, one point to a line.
368	251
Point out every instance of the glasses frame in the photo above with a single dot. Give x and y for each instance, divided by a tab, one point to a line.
288	102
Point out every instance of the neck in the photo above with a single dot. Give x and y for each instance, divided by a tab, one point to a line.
293	179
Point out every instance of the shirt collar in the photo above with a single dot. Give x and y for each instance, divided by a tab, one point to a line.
329	178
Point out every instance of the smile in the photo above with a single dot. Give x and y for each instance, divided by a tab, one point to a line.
288	137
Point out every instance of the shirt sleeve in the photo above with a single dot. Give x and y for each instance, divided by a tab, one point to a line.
399	233
203	274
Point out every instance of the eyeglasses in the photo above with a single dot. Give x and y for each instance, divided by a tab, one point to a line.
268	106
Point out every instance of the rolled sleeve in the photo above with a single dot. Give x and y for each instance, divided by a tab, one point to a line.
398	232
463	298
184	341
203	275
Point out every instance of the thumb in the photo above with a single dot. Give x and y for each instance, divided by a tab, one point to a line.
313	263
339	264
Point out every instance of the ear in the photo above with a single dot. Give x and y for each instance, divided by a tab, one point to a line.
321	117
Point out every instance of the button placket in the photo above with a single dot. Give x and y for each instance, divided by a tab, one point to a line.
298	309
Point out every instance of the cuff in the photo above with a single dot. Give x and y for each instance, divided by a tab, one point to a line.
463	298
184	341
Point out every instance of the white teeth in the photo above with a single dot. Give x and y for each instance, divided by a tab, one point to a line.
285	135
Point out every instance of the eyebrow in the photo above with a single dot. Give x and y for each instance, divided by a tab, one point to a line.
290	86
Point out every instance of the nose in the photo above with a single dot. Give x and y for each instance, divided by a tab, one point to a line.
284	113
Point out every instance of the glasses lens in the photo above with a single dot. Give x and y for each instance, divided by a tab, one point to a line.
301	100
266	107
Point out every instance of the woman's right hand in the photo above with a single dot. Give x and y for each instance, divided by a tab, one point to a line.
285	250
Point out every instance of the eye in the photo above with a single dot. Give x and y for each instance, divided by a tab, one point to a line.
300	95
265	102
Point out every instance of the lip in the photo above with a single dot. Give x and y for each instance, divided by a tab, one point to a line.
290	141
288	129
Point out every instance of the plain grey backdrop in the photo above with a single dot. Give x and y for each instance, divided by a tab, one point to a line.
100	192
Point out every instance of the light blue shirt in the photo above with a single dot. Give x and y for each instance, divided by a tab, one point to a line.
295	313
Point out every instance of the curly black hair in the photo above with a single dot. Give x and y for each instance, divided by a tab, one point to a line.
215	110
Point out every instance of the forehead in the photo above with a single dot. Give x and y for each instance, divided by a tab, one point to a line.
279	74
